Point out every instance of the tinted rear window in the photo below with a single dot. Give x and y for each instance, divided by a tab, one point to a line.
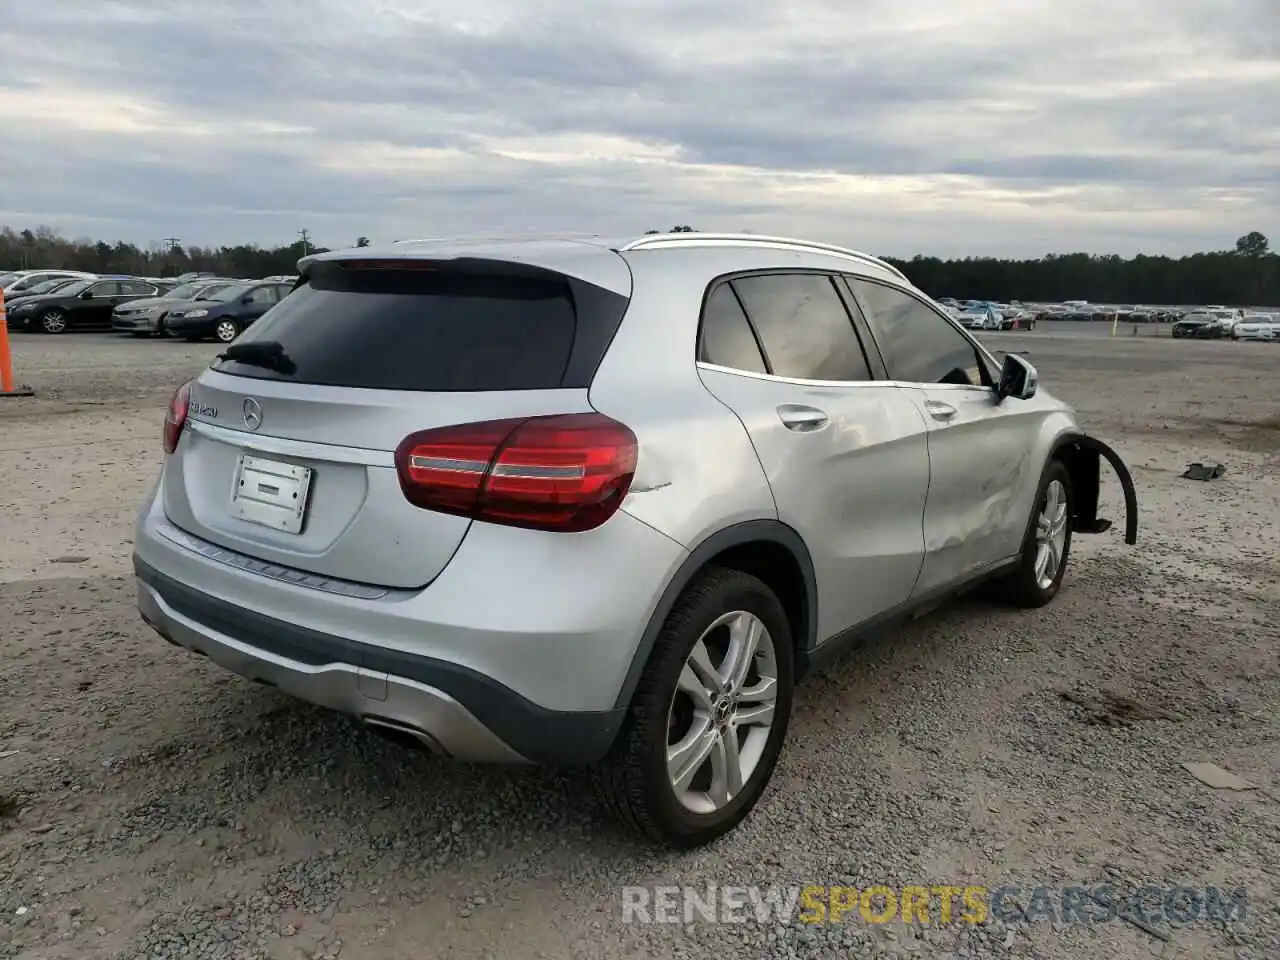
480	328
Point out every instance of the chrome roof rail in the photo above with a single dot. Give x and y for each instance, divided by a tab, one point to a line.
655	240
503	237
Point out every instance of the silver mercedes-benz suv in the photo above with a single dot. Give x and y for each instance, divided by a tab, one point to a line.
567	501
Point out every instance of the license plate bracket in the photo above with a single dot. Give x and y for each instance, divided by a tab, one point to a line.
271	493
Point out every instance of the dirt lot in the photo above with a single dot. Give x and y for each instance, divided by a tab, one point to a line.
151	806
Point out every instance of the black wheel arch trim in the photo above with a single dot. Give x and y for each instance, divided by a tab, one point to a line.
740	534
1087	452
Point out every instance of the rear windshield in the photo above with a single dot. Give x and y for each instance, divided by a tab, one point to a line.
478	327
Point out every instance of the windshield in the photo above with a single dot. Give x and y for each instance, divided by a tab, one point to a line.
48	285
184	292
75	287
7	278
209	291
225	293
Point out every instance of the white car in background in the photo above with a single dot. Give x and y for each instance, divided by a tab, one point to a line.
1257	326
19	282
979	317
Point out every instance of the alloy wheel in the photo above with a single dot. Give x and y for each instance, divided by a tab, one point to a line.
226	331
1051	534
53	321
722	712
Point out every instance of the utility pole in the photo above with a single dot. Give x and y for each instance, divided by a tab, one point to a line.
305	235
170	245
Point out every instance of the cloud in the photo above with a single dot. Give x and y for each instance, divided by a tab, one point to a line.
953	127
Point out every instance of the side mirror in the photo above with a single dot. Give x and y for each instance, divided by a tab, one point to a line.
86	294
1018	379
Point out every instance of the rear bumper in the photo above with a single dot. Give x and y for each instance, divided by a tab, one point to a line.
334	673
499	660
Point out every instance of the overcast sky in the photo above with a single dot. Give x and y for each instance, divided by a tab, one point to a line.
948	127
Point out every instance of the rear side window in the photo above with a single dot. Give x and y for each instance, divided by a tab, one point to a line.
727	340
483	327
803	327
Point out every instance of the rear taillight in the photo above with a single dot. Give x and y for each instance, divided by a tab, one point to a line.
566	473
176	417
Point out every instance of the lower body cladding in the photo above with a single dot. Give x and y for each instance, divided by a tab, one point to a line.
190	328
139	324
547	695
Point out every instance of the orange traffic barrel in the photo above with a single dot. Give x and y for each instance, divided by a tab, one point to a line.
7	388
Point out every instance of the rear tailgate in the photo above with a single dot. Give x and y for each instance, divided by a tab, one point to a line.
294	464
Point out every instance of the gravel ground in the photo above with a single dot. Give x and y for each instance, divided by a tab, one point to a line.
152	806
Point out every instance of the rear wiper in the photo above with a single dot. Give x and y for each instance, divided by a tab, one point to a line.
260	353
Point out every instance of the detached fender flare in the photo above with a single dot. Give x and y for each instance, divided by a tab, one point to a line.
1083	455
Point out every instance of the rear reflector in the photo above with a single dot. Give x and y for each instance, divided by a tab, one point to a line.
565	473
176	417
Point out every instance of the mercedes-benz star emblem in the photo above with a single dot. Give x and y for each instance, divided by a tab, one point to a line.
252	413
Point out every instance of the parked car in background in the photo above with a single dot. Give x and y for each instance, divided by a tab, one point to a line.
84	305
224	315
147	317
979	316
1017	317
40	289
24	281
1257	326
1200	326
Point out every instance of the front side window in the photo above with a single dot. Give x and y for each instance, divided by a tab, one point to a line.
918	345
107	288
803	327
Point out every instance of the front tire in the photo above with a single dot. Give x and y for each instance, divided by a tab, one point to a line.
226	331
1047	546
709	716
53	321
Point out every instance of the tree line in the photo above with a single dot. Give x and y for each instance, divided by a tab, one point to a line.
1248	274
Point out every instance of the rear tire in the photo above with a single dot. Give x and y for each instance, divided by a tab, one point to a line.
1047	546
667	728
